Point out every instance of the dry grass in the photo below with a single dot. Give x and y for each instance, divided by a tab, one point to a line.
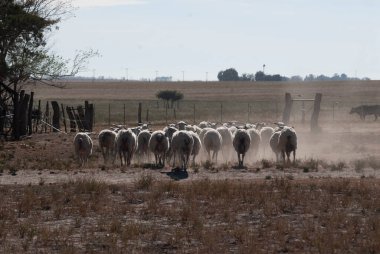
274	215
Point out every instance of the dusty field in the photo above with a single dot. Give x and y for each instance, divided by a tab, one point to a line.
329	201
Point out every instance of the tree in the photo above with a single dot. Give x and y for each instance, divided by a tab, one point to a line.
247	77
228	75
169	95
24	54
260	76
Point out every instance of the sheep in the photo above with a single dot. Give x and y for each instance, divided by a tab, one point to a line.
126	145
287	143
212	141
181	125
266	133
203	132
197	145
273	142
169	131
227	141
107	140
182	145
82	147
204	124
241	143
255	140
159	146
232	129
143	144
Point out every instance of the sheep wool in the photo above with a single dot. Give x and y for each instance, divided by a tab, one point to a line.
241	143
159	146
82	147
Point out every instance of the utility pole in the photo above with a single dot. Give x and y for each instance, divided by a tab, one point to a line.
183	76
263	68
156	75
206	76
126	74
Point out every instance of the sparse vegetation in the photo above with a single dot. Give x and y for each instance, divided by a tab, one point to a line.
241	216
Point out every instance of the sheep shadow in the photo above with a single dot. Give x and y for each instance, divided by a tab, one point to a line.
177	174
239	167
152	166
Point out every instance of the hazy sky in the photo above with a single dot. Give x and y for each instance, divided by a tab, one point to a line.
291	37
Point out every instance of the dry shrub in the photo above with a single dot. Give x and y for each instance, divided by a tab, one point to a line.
144	181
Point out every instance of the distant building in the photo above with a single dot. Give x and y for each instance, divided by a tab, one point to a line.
166	79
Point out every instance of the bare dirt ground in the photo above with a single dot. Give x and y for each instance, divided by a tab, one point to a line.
337	151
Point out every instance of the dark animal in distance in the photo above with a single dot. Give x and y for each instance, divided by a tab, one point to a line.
365	110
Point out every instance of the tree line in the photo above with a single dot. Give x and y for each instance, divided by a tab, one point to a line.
231	74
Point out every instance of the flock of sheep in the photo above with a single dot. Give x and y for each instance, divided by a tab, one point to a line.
179	143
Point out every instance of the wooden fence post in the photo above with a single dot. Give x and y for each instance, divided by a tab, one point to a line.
139	113
46	115
124	115
30	110
287	109
63	117
70	114
88	115
315	116
56	116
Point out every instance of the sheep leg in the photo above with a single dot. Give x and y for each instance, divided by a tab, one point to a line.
156	159
163	159
103	153
238	154
121	158
294	156
288	157
242	159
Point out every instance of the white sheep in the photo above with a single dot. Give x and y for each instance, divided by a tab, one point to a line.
82	147
182	146
241	143
212	141
227	141
204	124
107	139
181	125
232	129
273	142
143	144
266	133
203	132
126	143
287	143
255	141
159	146
169	131
197	145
